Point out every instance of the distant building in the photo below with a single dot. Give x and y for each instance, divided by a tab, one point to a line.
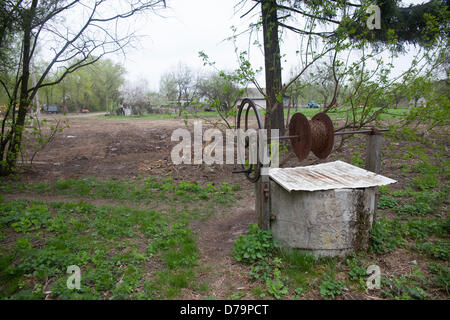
259	99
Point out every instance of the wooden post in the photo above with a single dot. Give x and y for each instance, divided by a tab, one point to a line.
262	204
373	160
258	202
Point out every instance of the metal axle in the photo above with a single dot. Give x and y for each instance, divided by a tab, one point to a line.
339	133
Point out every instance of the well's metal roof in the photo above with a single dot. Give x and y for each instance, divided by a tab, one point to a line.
327	176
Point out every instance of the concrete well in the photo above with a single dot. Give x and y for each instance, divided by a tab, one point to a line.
325	223
326	209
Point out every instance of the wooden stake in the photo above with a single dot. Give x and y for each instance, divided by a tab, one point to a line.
373	161
262	204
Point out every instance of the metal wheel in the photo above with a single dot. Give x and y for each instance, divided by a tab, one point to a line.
252	171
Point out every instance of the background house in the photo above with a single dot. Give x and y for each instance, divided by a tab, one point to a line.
258	98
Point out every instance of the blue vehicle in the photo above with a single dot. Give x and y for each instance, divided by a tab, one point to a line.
312	104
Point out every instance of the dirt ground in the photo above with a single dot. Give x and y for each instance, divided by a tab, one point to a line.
106	148
111	148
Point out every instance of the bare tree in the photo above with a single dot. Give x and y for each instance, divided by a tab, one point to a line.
179	85
168	86
135	94
76	33
221	89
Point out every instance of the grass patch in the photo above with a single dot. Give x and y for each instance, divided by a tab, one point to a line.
149	190
387	202
437	250
331	288
385	235
102	241
441	276
160	116
113	245
405	287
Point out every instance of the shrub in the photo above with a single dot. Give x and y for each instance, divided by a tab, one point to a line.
437	250
330	288
387	202
256	245
275	286
356	270
405	287
442	276
427	181
385	235
356	160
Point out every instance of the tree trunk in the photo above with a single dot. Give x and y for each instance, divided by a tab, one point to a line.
274	118
63	92
77	99
106	100
19	123
38	105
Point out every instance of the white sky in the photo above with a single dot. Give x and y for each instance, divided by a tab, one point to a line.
187	28
190	26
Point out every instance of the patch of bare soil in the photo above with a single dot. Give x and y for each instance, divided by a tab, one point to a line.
216	237
118	149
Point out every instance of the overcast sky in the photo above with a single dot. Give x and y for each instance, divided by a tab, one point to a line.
190	26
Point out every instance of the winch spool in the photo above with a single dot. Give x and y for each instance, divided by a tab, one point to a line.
300	135
316	135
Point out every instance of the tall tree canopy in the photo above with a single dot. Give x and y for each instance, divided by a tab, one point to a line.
95	87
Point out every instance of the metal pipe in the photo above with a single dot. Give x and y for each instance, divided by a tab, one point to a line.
358	131
338	133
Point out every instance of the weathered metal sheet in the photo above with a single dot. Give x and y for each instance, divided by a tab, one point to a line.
327	176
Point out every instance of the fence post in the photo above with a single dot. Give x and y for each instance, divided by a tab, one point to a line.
375	140
373	160
262	204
